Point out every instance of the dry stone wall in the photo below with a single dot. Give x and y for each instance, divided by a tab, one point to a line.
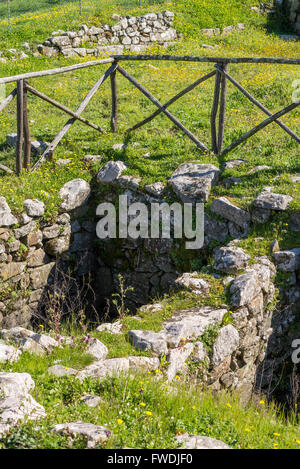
34	252
130	33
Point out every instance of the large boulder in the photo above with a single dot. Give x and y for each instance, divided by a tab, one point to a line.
74	194
192	182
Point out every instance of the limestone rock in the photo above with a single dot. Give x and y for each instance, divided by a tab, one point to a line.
59	371
200	442
25	230
34	207
16	408
57	246
74	194
31	346
260	215
39	277
8	353
144	363
230	259
15	384
157	189
271	201
63	219
177	358
191	324
37	146
110	172
199	353
63	162
10	270
52	231
95	434
130	182
192	182
112	328
24	338
258	169
230	164
90	400
244	288
192	282
38	258
226	343
287	261
105	368
226	209
148	340
6	217
97	350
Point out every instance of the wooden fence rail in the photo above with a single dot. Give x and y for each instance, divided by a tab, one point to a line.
218	112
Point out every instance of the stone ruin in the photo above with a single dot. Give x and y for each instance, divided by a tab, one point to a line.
130	33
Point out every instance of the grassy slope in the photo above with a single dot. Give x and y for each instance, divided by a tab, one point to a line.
171	411
167	146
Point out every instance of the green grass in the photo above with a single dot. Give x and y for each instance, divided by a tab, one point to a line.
168	147
171	412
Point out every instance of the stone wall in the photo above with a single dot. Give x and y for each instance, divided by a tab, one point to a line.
36	253
130	33
293	7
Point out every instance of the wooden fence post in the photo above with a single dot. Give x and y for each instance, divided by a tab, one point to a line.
214	113
222	109
114	108
27	139
20	125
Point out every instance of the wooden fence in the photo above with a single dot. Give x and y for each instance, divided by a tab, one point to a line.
221	76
